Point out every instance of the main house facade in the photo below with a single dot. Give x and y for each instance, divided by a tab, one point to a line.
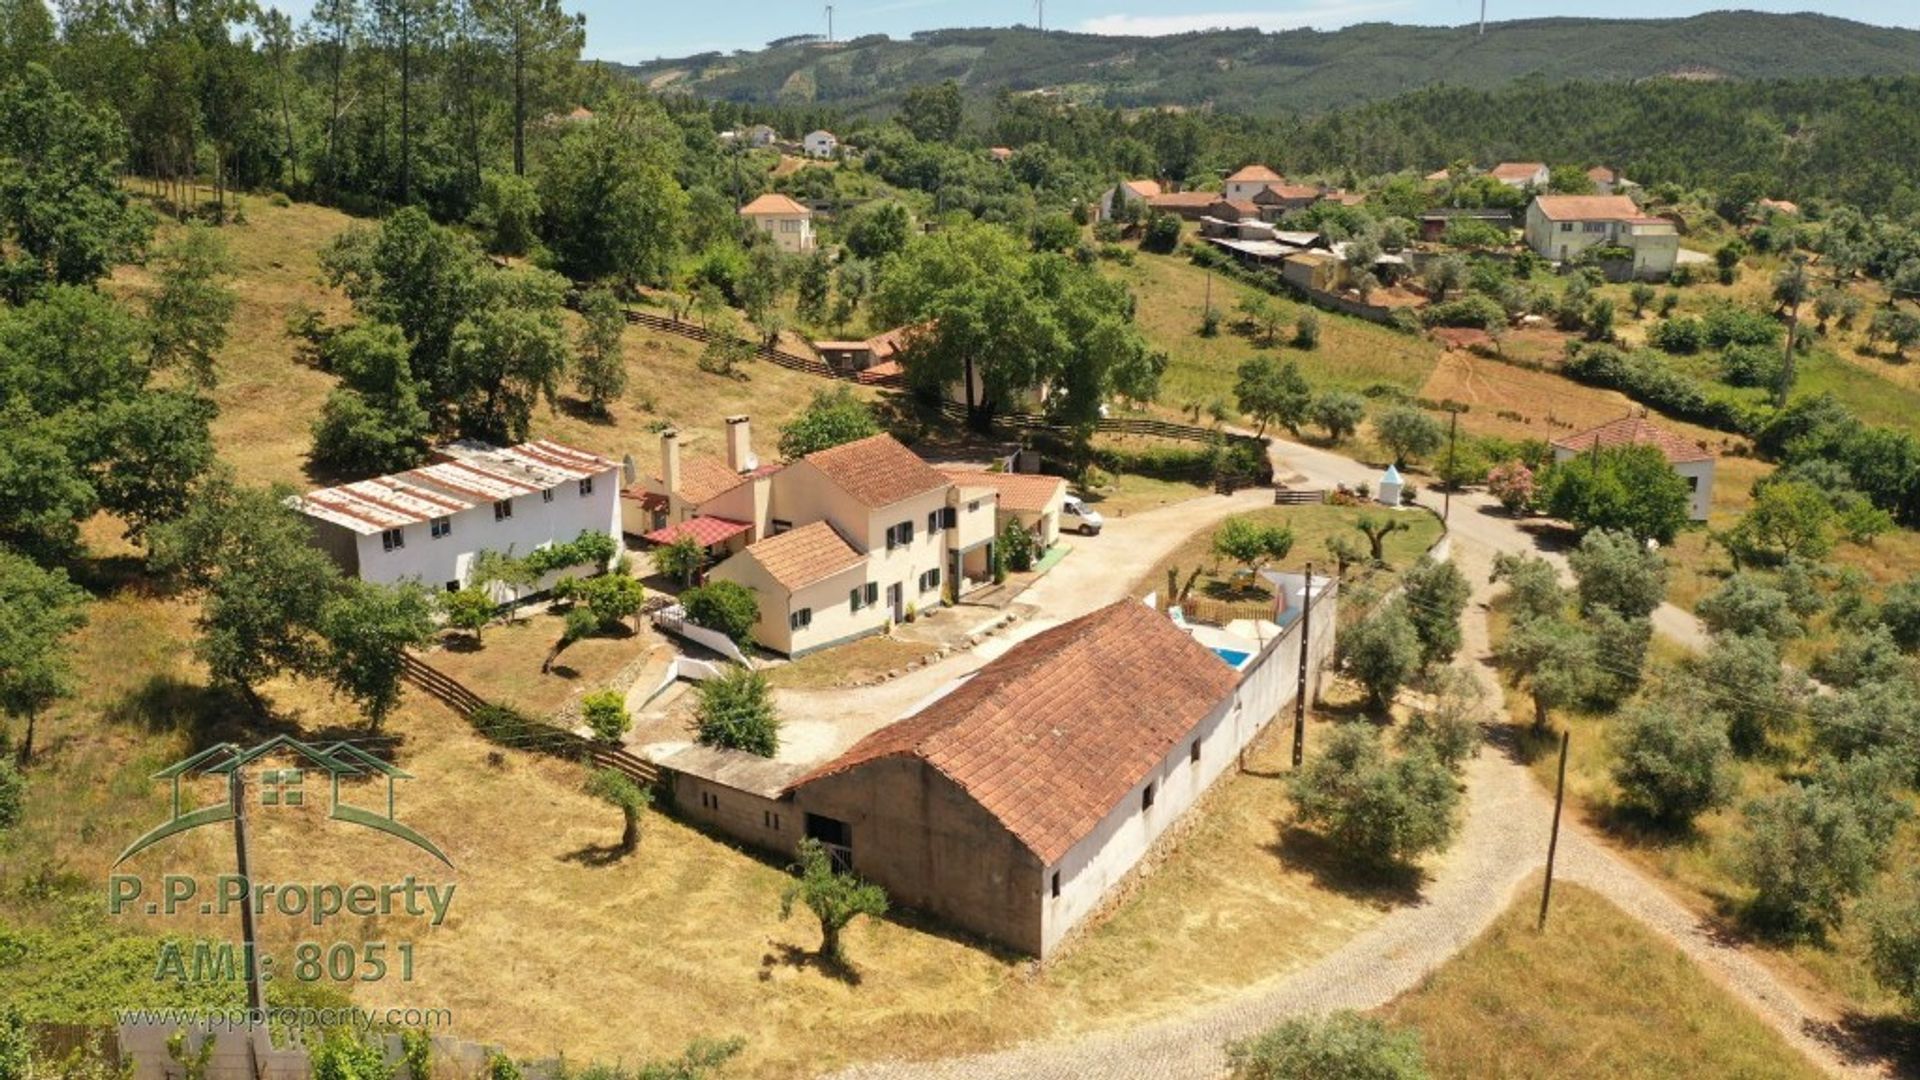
1563	227
786	222
835	545
429	524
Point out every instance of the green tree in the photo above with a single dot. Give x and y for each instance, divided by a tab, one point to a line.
1272	390
813	288
1444	275
541	45
1375	809
878	229
39	610
1380	653
1448	727
834	896
1613	570
1533	586
374	421
617	789
13	803
1437	595
1806	853
1306	331
1265	313
190	311
679	559
1742	684
736	711
610	206
1893	939
1672	761
508	216
470	610
1251	544
832	418
368	629
1376	530
1747	604
421	277
1555	657
932	112
1407	433
605	713
1629	488
343	1056
1339	412
1340	1046
1788	520
510	353
600	368
611	598
726	606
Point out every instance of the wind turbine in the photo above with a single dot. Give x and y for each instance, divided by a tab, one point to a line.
1483	18
830	24
1040	13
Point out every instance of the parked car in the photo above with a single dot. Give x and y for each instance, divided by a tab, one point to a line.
1077	516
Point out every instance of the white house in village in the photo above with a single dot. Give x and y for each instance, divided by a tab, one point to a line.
1522	174
1242	186
1693	462
835	545
1562	227
786	221
428	524
820	144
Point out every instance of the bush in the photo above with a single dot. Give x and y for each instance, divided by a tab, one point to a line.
1162	235
1375	809
1671	761
736	711
1726	324
595	549
1682	337
1900	613
1806	853
1620	644
1473	310
1512	483
1746	604
605	712
1306	330
1743	684
1018	544
1616	571
611	599
344	1057
724	606
13	793
1751	365
1893	940
1436	595
1341	1046
1380	652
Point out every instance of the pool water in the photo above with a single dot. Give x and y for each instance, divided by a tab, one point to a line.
1235	658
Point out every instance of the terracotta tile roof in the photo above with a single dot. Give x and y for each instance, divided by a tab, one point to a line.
648	500
774	203
1635	430
877	471
1054	734
1174	200
1000	153
1587	207
1288	193
704	477
1243	207
1255	174
799	557
1600	174
1146	189
1781	205
706	531
1517	170
1018	491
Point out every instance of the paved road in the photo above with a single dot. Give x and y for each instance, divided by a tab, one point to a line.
1501	845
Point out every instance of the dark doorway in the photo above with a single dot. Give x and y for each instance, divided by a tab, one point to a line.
834	835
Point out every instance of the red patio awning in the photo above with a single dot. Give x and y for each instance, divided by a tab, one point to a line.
706	531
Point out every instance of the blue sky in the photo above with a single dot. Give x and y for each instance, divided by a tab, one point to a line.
634	30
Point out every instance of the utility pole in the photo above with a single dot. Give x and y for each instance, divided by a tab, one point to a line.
1553	841
1300	688
250	940
1446	491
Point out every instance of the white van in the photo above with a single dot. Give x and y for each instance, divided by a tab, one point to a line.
1075	516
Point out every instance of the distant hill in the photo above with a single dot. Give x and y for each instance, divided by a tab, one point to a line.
1294	71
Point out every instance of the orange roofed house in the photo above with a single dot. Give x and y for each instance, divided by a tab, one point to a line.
1563	227
787	222
835	545
1690	460
1016	801
1522	174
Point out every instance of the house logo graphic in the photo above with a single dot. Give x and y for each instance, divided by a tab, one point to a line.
281	787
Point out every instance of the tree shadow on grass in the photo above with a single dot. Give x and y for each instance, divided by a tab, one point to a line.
1335	870
580	410
165	704
793	956
1864	1041
596	855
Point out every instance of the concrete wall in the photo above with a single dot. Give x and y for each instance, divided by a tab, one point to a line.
933	848
771	825
535	523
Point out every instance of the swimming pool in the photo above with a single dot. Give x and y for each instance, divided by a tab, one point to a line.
1235	658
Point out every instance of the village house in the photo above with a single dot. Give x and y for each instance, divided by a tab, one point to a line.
1609	181
876	356
820	144
715	499
1018	801
1225	209
1250	181
1521	174
1001	154
1562	227
1433	223
1776	206
1034	500
788	223
1275	201
1116	199
429	524
1690	460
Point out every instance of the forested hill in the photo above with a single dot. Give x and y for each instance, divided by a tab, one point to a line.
1301	70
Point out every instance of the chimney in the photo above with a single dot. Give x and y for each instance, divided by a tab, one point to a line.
670	460
739	445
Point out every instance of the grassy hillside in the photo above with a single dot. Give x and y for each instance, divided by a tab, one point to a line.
1299	70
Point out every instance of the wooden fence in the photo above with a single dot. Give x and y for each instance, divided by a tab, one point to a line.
540	735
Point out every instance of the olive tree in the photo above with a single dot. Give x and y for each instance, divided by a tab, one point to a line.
1380	652
1375	808
1672	762
834	896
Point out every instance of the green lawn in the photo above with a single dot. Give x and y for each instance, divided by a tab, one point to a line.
1311	527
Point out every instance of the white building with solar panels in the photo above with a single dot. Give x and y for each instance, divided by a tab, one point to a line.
430	523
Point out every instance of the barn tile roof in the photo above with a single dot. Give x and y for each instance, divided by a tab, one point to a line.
799	557
774	203
464	475
1146	189
704	477
1054	734
1255	174
1517	170
1588	207
1635	430
877	471
705	531
1018	491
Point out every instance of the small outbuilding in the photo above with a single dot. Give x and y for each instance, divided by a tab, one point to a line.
1391	485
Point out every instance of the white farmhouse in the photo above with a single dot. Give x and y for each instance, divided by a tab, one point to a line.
786	221
820	144
428	524
1562	227
1690	460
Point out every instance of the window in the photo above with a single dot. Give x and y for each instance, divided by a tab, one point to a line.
800	619
1193	752
1146	797
893	537
586	487
1056	884
546	495
853	598
930	580
900	535
873	593
453	586
949	517
780	526
1596	226
933	521
1566	226
393	539
503	510
442	526
770	819
973	507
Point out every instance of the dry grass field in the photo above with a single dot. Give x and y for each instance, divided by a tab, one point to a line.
1595	994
